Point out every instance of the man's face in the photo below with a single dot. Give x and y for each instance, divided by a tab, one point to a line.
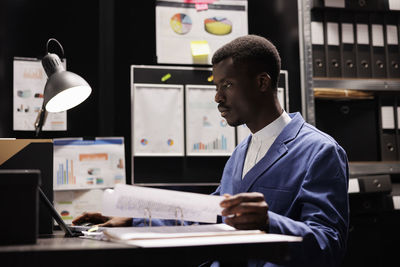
236	92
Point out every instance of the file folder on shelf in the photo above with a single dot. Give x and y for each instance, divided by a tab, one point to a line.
378	46
333	59
392	46
318	43
388	128
348	48
363	46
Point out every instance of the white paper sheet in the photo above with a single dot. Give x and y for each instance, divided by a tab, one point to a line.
387	117
392	35
29	81
130	233
394	5
158	120
347	33
177	24
362	34
354	186
145	202
377	35
396	202
72	203
317	33
332	33
88	164
213	240
207	133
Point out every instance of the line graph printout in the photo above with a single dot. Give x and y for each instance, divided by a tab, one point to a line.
158	120
207	133
144	202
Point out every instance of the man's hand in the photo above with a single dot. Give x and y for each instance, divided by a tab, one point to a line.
100	220
246	211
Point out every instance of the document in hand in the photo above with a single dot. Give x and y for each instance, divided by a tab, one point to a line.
144	202
192	235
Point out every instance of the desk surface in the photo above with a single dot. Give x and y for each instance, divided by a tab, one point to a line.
59	251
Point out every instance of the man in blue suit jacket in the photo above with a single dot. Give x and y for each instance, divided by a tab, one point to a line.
287	177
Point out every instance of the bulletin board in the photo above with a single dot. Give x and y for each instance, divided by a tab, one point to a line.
177	134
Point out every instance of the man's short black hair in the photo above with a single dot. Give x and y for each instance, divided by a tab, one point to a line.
256	51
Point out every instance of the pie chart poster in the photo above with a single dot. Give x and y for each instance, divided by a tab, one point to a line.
178	24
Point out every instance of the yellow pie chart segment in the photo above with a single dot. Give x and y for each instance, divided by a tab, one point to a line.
218	26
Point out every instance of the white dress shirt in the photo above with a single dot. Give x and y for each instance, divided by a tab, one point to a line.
262	140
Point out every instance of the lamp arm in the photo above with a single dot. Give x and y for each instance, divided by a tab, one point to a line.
40	120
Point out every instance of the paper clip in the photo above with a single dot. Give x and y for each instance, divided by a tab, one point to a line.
176	216
147	214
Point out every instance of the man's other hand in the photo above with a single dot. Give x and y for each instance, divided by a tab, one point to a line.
246	211
102	221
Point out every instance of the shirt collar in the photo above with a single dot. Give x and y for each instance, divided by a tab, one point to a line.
272	129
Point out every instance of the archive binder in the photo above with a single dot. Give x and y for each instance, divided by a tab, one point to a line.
388	128
363	45
392	46
348	48
333	58
378	46
318	43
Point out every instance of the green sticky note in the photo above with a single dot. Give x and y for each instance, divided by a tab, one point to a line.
166	77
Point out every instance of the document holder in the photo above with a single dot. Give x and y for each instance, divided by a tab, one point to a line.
318	44
392	46
333	57
363	46
378	46
32	154
19	206
348	51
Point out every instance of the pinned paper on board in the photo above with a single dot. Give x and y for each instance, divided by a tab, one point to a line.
182	24
88	164
29	82
207	133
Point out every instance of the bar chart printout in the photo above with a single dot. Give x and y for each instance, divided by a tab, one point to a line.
88	164
207	133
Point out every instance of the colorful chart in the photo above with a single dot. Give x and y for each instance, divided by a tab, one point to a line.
170	142
144	141
181	23
217	144
218	26
65	173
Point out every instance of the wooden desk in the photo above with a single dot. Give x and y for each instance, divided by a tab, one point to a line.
59	251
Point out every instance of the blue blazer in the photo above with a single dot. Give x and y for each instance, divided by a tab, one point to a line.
304	179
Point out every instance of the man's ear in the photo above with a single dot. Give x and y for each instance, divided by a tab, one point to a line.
264	81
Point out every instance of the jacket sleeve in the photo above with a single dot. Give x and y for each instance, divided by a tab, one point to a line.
320	209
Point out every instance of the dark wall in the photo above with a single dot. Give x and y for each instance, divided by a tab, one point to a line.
26	27
102	39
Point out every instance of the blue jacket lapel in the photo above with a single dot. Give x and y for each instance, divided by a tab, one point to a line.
275	153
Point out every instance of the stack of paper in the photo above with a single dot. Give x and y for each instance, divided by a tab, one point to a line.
193	235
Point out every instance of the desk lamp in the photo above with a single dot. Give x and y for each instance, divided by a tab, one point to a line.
63	90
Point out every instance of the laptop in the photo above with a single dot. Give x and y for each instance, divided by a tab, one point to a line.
70	231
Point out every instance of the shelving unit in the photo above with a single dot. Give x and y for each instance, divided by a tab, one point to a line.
374	87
